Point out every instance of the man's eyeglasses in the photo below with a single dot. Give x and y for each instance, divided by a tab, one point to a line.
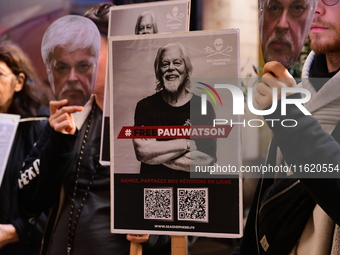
330	2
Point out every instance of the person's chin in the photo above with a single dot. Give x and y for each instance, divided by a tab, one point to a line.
171	88
282	56
273	52
76	101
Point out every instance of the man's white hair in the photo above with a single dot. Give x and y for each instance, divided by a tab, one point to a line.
72	33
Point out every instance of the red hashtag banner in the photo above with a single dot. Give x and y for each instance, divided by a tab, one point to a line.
174	132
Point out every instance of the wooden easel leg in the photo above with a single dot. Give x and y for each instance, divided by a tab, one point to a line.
179	245
136	248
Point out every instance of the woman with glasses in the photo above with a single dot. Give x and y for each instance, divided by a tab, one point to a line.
22	93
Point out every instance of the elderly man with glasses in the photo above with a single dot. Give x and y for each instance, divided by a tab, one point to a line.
300	215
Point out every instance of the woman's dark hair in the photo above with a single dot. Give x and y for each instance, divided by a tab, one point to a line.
34	93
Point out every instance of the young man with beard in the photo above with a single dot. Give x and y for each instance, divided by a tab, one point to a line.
301	216
170	106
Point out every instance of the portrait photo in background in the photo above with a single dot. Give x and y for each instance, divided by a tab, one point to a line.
159	198
160	17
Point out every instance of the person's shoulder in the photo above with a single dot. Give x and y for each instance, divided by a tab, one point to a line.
43	111
197	99
30	128
150	99
38	121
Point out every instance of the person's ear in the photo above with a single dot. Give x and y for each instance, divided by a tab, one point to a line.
20	82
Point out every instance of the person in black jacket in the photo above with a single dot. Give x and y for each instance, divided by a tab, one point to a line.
22	93
299	214
317	162
63	171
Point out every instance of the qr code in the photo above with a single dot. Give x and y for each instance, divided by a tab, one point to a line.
193	204
158	204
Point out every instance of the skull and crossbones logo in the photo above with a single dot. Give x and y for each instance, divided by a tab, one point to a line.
174	15
218	43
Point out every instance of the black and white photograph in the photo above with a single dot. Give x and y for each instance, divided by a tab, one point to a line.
149	18
163	142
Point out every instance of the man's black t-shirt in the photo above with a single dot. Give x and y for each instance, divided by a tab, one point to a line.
154	111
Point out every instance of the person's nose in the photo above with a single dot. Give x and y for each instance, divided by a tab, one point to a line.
171	66
73	75
320	9
283	22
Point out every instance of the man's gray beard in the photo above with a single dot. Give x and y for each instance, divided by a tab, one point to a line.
277	55
173	85
282	59
74	101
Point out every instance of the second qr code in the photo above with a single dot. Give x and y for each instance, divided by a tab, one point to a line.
193	204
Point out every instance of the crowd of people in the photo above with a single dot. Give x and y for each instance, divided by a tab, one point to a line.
55	194
58	202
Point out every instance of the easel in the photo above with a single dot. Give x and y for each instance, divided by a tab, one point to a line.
135	248
179	246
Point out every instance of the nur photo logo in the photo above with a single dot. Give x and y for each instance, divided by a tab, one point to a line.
211	94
